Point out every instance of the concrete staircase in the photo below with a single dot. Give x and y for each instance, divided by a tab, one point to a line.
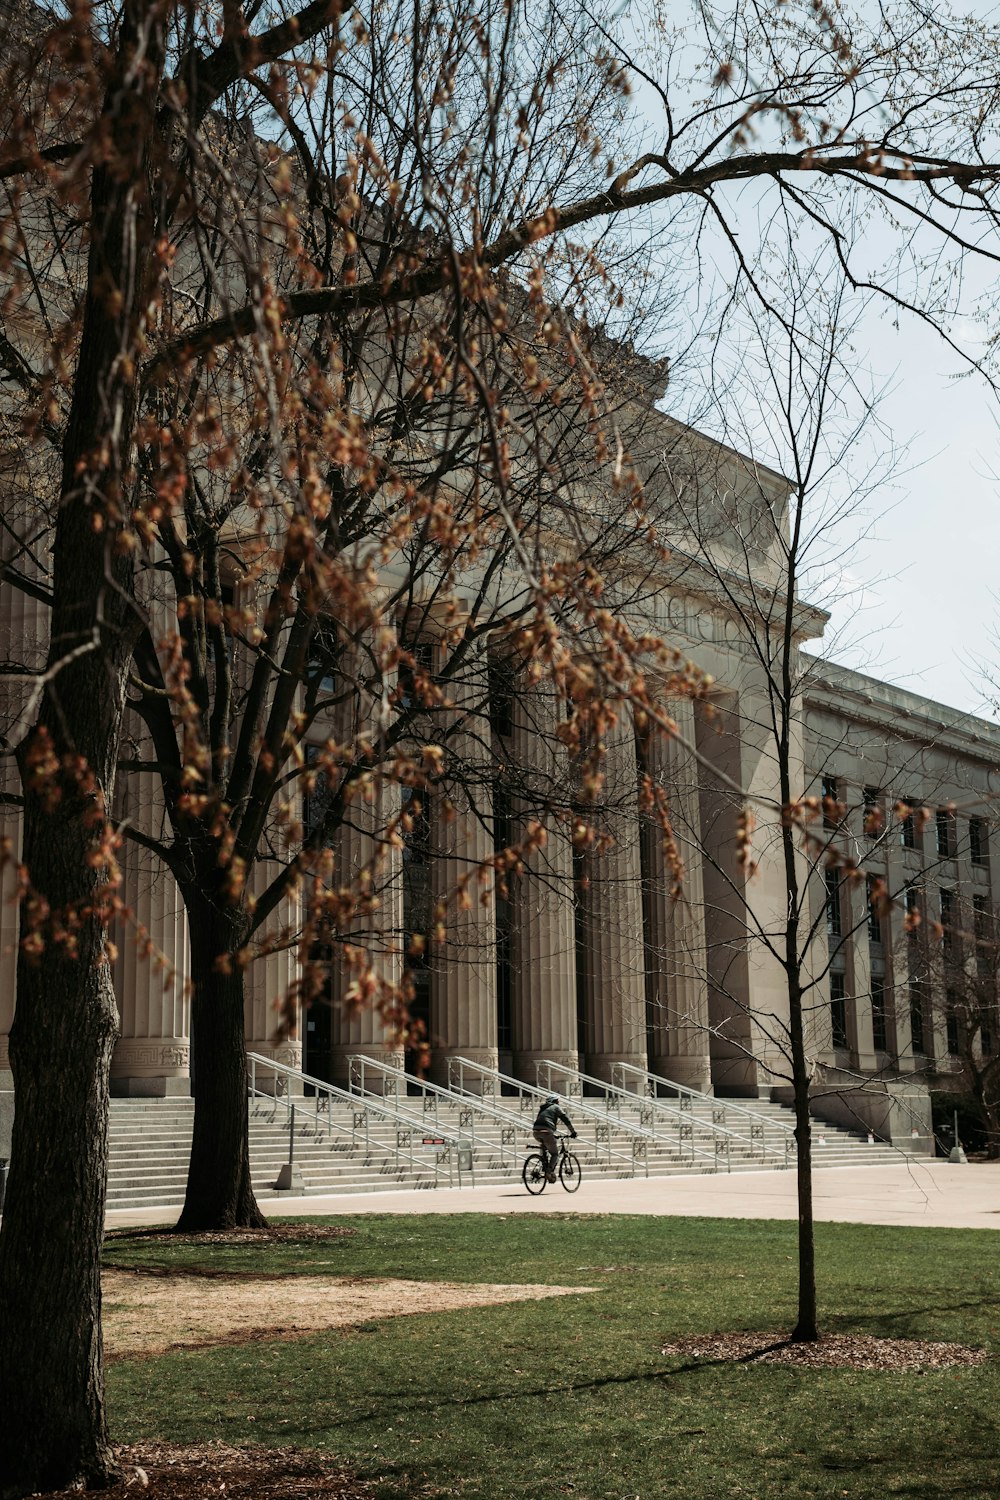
150	1143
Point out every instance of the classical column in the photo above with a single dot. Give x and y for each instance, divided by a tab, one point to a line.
677	962
270	978
463	957
366	863
152	970
543	934
614	980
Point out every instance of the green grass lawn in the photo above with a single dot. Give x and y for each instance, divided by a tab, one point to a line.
572	1396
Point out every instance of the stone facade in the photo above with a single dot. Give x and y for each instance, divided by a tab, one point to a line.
594	962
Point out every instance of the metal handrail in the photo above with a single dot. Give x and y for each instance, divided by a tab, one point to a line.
489	1079
651	1080
401	1148
360	1066
614	1098
476	1103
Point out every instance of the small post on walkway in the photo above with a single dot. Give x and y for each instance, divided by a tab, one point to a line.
956	1154
290	1178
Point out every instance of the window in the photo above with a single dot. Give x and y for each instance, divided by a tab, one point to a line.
838	1010
874	816
501	690
949	913
834	919
416	828
908	825
317	797
831	802
917	1015
944	823
415	676
880	1029
911	902
986	1037
981	918
951	1025
874	891
979	841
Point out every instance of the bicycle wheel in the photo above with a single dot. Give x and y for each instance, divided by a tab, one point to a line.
533	1174
569	1172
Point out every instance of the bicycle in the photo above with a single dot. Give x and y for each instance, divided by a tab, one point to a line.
534	1176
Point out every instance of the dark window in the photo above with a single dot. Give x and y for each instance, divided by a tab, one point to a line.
912	904
981	918
831	802
326	652
501	688
880	1030
834	920
417	835
838	1010
986	1037
874	888
949	940
874	819
951	1025
317	798
414	674
979	841
908	825
918	1014
944	822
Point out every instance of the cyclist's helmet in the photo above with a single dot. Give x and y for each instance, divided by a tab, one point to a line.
552	1099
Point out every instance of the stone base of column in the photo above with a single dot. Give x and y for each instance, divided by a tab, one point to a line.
600	1066
692	1072
737	1077
150	1071
485	1057
289	1054
376	1082
123	1087
524	1065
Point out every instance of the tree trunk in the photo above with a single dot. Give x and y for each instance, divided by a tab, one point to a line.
806	1329
51	1375
65	1026
219	1191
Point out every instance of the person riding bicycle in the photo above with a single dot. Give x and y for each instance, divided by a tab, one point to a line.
544	1131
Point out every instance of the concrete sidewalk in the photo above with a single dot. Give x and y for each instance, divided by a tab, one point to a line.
922	1194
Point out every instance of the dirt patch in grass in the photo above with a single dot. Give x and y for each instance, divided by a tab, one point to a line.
271	1234
147	1314
171	1472
833	1351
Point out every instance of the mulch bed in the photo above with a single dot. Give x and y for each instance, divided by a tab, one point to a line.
272	1234
171	1472
832	1351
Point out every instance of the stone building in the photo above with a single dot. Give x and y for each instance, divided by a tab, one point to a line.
604	969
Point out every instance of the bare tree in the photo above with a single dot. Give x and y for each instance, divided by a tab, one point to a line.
754	548
170	326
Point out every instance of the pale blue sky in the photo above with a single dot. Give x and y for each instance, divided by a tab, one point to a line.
928	614
930	610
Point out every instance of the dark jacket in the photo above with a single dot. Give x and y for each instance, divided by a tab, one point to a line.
547	1117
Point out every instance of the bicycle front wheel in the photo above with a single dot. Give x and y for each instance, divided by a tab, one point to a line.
533	1174
569	1172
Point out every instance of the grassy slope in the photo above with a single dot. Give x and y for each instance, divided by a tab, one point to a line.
573	1396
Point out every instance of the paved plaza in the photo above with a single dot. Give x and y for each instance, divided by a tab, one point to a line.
929	1195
